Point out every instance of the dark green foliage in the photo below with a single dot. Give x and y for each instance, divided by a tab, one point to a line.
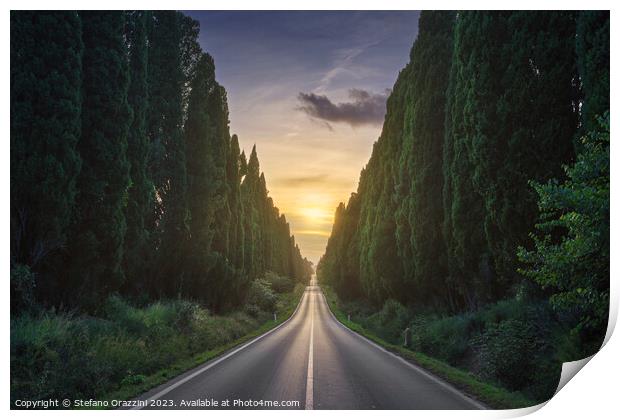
140	200
390	322
420	174
62	356
98	232
202	170
512	118
340	265
468	267
510	343
167	164
46	98
387	242
22	289
490	104
280	284
236	232
261	296
508	351
593	63
571	254
159	208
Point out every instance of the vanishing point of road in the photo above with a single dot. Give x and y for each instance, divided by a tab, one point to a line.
310	361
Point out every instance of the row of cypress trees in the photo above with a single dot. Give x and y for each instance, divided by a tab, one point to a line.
124	175
489	103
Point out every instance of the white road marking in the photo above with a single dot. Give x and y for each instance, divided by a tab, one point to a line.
216	361
310	380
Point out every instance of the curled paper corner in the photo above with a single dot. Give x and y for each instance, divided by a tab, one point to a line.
518	412
569	370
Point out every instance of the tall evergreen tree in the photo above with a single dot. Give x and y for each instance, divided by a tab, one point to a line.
233	178
218	144
199	132
46	76
167	166
420	176
380	266
140	198
469	268
593	62
249	189
98	235
519	117
200	138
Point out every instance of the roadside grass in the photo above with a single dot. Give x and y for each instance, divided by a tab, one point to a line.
285	307
127	350
491	395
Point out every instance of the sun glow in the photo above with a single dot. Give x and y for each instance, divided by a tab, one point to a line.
316	215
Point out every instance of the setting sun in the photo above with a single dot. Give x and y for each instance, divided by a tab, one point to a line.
316	215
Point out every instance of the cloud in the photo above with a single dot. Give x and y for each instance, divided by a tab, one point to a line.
297	181
364	107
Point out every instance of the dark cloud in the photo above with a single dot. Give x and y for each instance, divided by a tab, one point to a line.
364	108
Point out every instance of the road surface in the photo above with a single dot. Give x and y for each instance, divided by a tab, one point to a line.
309	362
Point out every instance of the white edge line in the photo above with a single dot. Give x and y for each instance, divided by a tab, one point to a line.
418	369
214	362
310	377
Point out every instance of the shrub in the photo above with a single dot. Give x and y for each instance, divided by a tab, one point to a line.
65	356
445	338
261	295
512	342
390	322
22	289
279	284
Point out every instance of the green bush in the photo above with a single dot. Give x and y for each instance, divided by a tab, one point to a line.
390	322
511	342
261	295
444	338
22	289
65	356
279	284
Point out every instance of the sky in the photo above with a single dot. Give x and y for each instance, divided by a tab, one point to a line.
309	89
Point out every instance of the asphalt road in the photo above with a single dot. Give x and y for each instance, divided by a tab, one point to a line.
309	362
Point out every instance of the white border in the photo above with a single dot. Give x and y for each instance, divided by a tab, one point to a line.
592	393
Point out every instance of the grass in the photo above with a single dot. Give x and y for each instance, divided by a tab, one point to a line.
286	307
127	350
490	395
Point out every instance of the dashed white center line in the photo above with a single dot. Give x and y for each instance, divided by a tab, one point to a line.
310	380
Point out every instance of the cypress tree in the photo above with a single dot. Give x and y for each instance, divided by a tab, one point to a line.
219	143
198	134
380	266
420	174
249	192
46	75
199	138
469	273
593	63
522	120
140	195
167	166
100	226
233	177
